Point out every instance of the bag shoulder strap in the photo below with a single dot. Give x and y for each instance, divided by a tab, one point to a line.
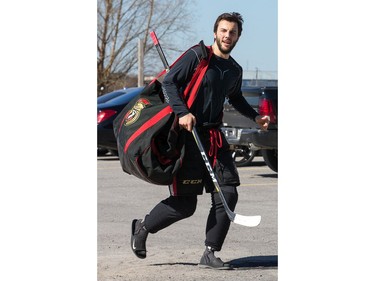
191	90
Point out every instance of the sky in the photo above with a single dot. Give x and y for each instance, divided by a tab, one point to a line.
258	45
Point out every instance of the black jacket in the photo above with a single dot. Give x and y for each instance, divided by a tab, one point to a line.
222	79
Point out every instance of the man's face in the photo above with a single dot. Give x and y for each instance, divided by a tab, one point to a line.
226	36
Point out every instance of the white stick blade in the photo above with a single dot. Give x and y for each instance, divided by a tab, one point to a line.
250	221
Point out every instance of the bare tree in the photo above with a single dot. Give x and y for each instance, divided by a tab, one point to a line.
121	23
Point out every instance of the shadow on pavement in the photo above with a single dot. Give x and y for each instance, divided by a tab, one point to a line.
108	158
254	262
174	263
241	263
268	175
256	164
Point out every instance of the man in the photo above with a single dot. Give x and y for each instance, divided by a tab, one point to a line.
222	79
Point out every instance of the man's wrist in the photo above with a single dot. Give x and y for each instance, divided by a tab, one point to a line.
182	114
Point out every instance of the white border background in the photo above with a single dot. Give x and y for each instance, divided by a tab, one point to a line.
48	182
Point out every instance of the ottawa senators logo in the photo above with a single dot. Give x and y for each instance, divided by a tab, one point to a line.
133	114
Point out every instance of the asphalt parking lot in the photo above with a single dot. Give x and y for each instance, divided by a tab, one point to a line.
173	253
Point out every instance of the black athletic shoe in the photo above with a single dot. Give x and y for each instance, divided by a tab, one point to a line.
209	260
138	239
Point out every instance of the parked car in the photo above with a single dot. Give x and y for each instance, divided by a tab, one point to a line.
235	125
108	107
268	140
244	136
245	139
111	95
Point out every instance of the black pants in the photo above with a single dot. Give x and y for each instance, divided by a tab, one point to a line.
176	208
194	168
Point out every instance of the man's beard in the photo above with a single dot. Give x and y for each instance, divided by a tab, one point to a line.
225	51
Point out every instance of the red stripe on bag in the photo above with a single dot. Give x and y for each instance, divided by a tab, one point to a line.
147	125
174	186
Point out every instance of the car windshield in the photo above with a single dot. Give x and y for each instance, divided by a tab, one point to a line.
252	98
126	96
109	96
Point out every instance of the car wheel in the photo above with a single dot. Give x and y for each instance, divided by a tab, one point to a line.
243	156
113	152
101	151
270	157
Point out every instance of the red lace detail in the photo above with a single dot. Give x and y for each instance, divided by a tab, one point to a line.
215	143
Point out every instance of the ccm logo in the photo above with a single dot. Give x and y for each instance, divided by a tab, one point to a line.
192	181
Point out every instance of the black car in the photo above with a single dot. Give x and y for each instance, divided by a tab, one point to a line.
109	106
235	125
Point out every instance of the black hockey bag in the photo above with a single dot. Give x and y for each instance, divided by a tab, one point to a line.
149	140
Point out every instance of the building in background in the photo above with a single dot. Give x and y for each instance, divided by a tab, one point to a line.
259	78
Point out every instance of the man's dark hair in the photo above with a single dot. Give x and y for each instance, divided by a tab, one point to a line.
231	17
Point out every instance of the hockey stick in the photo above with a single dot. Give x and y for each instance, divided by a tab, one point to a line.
236	218
250	221
160	51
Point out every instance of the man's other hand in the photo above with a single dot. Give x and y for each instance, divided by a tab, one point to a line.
263	121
